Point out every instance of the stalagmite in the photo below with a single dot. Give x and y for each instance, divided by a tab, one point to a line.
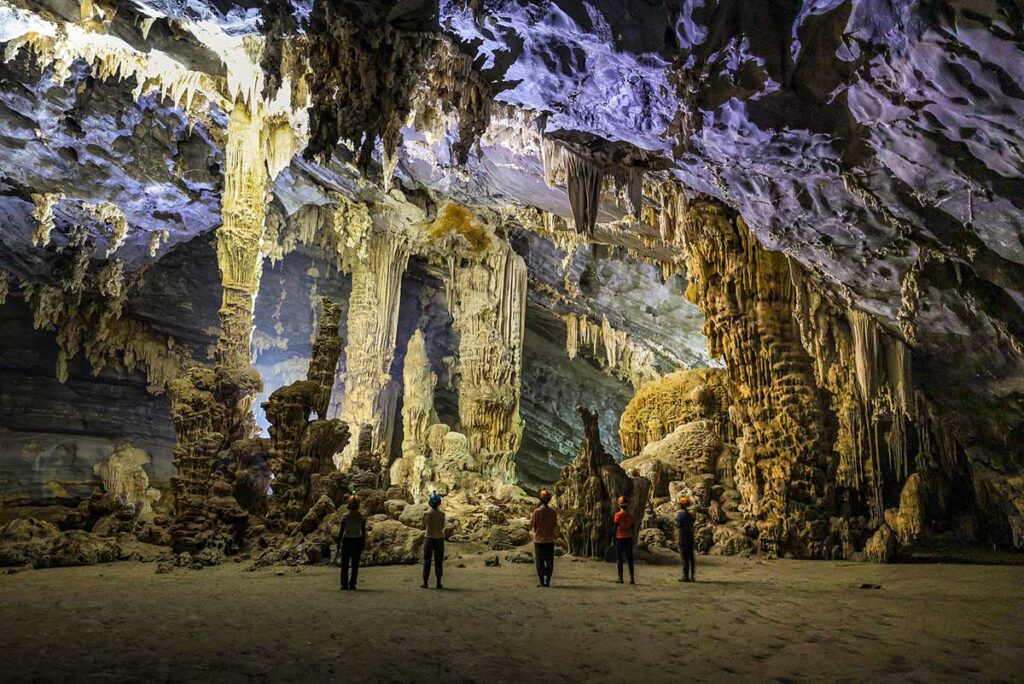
418	414
489	308
123	476
660	407
587	490
372	331
300	449
325	354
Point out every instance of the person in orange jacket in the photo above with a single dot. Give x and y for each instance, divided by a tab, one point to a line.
544	524
622	538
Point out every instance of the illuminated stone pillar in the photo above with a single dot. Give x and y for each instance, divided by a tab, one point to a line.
370	395
240	237
488	304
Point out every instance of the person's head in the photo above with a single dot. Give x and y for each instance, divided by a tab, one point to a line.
623	502
684	502
544	496
434	500
353	503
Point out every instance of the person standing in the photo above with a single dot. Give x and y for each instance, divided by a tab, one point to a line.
433	541
544	524
352	541
622	537
684	538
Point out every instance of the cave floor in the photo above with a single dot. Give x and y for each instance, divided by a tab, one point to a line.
747	619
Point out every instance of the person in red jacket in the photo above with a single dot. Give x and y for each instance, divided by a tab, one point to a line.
544	524
623	538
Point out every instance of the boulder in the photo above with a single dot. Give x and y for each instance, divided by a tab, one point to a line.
412	515
389	542
883	547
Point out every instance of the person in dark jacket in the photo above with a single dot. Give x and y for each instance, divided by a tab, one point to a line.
622	537
684	538
433	540
351	542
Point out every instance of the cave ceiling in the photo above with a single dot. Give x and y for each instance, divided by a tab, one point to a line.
877	144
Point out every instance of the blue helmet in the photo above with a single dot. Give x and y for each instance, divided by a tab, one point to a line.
434	500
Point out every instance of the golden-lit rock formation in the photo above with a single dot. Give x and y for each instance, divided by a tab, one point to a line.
785	470
659	407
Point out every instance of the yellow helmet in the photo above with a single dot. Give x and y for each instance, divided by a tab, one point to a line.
353	502
544	495
684	501
623	500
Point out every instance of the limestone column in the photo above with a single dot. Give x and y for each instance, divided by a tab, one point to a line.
370	395
489	309
240	237
786	445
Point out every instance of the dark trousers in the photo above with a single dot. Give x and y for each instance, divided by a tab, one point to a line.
544	555
689	562
624	552
433	549
351	552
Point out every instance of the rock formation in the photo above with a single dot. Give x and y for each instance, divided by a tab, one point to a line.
489	308
785	471
370	394
587	492
836	188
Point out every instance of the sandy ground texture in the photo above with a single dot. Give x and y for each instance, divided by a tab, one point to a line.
745	620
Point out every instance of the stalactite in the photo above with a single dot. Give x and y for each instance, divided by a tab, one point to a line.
867	371
240	237
114	218
155	238
42	215
785	464
629	186
582	177
372	331
621	356
489	309
60	44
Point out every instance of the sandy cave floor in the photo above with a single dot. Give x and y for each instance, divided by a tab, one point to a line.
747	619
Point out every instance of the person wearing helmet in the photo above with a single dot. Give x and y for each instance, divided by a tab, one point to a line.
622	537
352	540
684	538
433	542
544	524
